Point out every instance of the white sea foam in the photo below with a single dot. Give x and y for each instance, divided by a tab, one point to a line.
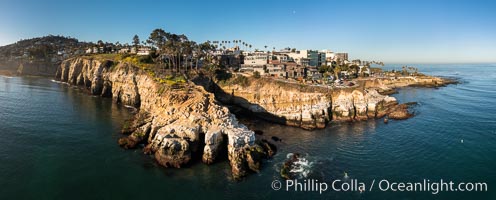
301	168
60	82
134	109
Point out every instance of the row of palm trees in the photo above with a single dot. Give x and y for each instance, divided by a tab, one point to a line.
180	53
223	43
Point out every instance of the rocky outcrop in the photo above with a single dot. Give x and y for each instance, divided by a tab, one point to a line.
386	85
175	125
36	69
305	106
360	105
28	68
273	102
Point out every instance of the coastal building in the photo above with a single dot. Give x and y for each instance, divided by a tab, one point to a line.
305	57
344	73
313	73
276	70
255	59
144	51
247	69
92	50
341	56
326	57
293	70
133	50
330	56
279	57
364	70
124	50
228	60
322	59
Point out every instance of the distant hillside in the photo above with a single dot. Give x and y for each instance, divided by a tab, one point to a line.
39	56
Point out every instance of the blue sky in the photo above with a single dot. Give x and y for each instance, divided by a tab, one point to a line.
388	30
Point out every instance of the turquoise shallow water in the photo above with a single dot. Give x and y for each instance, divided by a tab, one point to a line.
57	142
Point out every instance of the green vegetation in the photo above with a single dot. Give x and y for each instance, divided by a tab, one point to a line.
409	71
172	80
405	71
161	90
140	61
222	75
102	57
256	75
242	80
179	51
374	70
238	79
136	41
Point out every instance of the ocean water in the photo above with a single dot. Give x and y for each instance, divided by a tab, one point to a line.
57	142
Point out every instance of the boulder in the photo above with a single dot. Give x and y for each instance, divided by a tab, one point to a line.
173	152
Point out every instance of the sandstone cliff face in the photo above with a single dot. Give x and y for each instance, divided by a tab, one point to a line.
275	103
397	82
360	105
28	68
175	125
307	108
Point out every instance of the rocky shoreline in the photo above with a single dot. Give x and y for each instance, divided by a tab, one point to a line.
310	107
174	125
178	125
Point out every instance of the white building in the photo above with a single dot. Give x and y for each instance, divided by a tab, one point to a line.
332	56
305	57
256	59
144	51
276	70
341	56
329	56
124	50
282	58
364	70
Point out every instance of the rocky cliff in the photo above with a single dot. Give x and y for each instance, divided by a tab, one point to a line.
387	85
306	106
28	68
175	125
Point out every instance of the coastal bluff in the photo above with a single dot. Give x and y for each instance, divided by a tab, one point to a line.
312	107
174	125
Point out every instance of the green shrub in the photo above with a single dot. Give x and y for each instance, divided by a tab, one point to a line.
242	80
222	75
256	74
145	59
